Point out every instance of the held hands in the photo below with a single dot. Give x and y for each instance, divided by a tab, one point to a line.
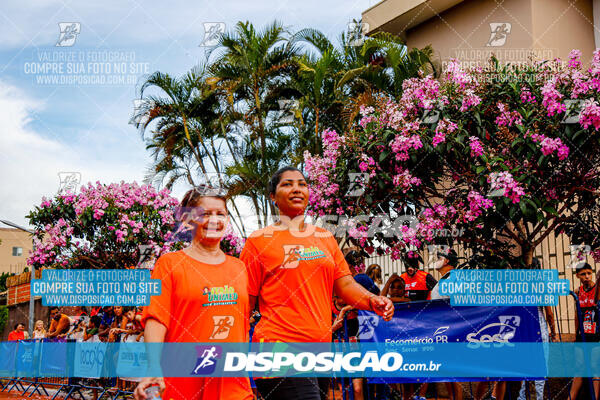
140	394
382	306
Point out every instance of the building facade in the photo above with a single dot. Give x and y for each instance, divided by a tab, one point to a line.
15	246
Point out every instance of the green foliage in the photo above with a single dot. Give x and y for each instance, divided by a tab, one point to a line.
3	317
3	278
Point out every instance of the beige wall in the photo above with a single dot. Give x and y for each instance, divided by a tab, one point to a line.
558	25
545	29
13	238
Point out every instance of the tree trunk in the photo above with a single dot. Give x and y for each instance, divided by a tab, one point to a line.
527	251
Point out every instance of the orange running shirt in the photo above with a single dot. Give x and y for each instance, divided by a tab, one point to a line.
202	303
292	275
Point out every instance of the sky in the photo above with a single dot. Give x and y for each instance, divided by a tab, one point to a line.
66	100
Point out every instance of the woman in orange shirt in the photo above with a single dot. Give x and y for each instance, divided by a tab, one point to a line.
181	313
293	269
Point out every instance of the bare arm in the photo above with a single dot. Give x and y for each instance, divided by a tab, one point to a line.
597	299
550	321
360	298
154	332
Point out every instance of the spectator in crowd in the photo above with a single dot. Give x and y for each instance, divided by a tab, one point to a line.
133	329
92	329
444	265
119	325
418	283
39	331
374	272
79	323
356	263
107	314
395	289
60	323
588	300
18	333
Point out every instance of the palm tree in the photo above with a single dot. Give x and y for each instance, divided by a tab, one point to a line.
187	136
334	83
249	69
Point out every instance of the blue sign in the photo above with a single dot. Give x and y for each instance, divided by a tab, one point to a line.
437	322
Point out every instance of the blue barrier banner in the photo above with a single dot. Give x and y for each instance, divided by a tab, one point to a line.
429	322
25	358
53	357
389	362
8	353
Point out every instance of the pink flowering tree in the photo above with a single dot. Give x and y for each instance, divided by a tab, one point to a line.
103	226
502	155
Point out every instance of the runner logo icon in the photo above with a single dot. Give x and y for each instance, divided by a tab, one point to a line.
223	325
367	324
207	359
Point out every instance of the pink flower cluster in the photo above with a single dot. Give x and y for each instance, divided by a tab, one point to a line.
319	170
443	128
504	181
405	181
470	99
366	116
231	243
476	147
402	144
508	118
552	98
590	114
367	163
456	74
574	58
477	204
421	93
549	146
527	96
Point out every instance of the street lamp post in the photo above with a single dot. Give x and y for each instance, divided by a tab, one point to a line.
31	300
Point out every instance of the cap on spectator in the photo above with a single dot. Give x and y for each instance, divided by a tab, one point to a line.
582	267
412	259
451	256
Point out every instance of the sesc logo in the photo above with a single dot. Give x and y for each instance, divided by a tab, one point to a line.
498	333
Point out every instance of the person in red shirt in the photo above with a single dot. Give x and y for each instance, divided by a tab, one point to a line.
18	333
293	270
193	279
588	301
418	283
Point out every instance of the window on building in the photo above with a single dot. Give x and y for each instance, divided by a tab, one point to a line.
17	251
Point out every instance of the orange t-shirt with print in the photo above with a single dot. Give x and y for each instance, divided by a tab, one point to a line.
191	315
292	274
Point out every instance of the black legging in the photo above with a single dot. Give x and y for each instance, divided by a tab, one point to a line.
293	388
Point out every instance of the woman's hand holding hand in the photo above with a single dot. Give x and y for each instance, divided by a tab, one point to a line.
382	306
145	383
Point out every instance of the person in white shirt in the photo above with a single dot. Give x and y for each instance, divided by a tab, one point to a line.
446	263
